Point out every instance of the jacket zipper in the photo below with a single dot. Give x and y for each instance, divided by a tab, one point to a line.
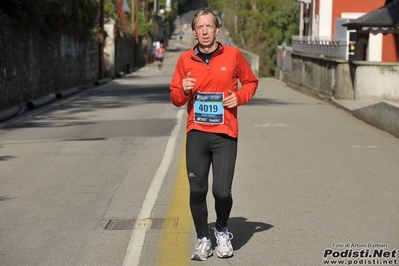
196	58
200	61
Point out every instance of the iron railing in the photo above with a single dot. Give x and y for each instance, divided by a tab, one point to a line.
321	46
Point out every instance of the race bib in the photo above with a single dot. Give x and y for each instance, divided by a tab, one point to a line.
208	108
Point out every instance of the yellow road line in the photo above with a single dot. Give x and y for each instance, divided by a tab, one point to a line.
173	246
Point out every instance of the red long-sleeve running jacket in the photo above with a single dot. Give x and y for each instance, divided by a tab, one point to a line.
225	69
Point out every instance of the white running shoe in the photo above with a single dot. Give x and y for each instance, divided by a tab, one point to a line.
203	249
224	249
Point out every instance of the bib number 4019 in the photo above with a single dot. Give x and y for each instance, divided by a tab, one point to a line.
208	108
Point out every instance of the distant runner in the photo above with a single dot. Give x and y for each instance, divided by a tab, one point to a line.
160	55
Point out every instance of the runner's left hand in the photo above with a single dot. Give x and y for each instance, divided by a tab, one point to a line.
230	101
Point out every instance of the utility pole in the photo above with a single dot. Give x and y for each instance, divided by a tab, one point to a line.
137	22
146	11
133	15
101	44
135	19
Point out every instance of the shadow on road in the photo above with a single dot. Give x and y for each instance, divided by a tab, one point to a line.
243	230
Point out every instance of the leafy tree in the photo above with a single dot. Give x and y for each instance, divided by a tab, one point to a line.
78	18
73	17
259	26
146	24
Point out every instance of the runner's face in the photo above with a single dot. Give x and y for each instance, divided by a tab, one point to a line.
205	30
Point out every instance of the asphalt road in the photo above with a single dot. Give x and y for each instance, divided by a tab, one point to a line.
97	179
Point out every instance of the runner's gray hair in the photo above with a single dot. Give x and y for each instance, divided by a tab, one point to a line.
205	11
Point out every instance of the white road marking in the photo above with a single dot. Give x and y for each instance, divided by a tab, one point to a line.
136	243
271	125
365	147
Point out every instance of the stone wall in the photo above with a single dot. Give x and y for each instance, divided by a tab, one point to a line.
342	79
321	76
376	81
33	64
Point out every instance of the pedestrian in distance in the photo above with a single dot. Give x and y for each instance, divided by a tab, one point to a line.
155	46
145	56
181	34
206	79
160	56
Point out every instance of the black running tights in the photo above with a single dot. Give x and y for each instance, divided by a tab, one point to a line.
203	150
